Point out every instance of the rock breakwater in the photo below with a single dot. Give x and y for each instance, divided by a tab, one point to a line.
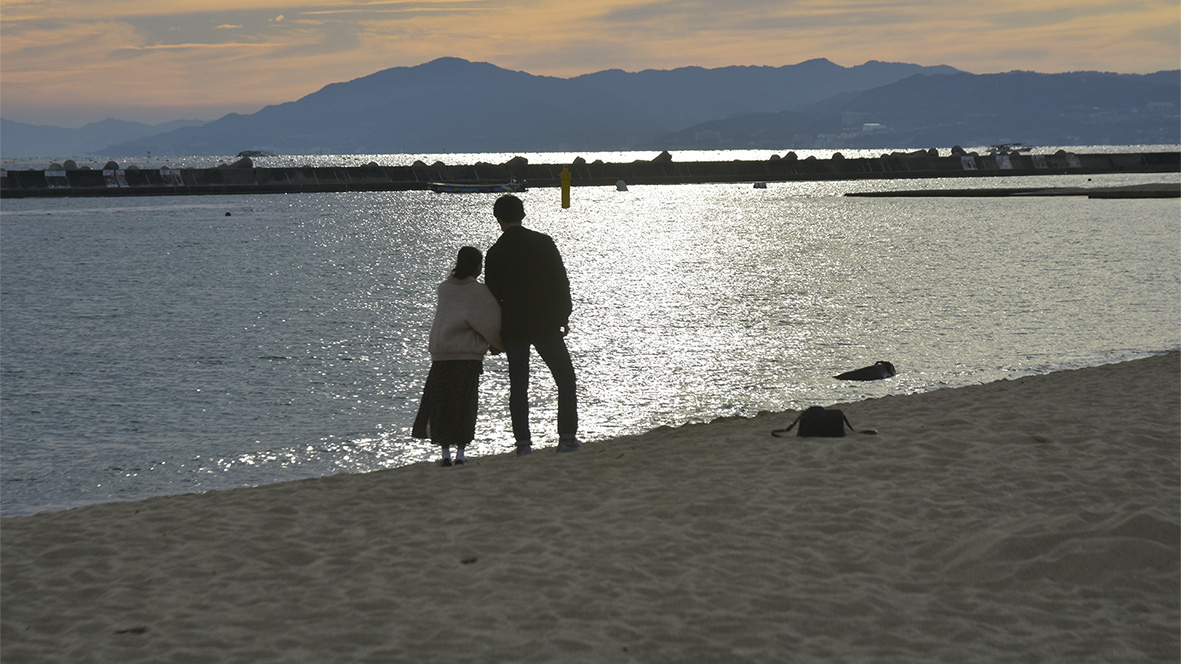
243	178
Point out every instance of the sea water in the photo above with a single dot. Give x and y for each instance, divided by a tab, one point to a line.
166	345
464	158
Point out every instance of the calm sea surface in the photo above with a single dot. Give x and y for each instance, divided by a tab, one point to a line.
462	158
181	344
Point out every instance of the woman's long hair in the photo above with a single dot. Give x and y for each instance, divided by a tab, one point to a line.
467	263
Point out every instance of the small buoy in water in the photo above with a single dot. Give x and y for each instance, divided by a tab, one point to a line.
621	186
227	214
760	185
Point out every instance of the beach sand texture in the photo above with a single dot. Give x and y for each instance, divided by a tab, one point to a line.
1029	520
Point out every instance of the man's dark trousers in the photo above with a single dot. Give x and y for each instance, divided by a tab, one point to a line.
552	349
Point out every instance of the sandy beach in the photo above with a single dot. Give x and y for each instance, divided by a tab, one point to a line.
1029	520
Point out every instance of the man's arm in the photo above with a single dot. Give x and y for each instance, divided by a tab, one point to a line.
556	271
493	278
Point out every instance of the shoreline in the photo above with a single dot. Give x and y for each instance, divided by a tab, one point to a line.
1156	190
695	421
1032	518
243	178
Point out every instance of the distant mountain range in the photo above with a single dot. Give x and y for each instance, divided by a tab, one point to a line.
459	106
1080	108
18	139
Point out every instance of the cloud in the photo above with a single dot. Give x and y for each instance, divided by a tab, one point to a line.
247	53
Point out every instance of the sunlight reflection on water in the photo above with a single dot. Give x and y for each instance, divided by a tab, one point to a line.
157	346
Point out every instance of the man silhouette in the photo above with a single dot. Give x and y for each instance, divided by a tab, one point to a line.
525	273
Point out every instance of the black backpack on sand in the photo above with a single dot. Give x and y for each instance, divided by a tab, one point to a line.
821	422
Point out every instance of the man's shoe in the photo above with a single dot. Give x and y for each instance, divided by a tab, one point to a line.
446	463
569	445
524	450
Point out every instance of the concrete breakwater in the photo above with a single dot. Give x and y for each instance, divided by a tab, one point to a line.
243	178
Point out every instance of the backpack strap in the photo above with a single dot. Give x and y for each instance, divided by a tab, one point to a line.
847	422
778	433
868	432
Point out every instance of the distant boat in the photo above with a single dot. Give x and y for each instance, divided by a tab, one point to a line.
1009	148
476	187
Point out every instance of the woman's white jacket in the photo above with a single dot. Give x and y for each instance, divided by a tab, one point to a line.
467	321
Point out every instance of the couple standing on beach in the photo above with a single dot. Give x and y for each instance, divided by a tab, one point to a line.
523	304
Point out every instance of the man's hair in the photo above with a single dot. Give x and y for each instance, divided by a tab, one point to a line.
509	209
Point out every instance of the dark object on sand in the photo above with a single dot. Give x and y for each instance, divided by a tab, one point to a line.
877	371
821	422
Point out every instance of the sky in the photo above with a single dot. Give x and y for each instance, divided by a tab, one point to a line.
70	62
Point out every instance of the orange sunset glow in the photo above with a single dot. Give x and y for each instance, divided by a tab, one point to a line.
69	62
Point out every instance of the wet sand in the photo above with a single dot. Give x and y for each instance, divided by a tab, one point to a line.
1030	520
